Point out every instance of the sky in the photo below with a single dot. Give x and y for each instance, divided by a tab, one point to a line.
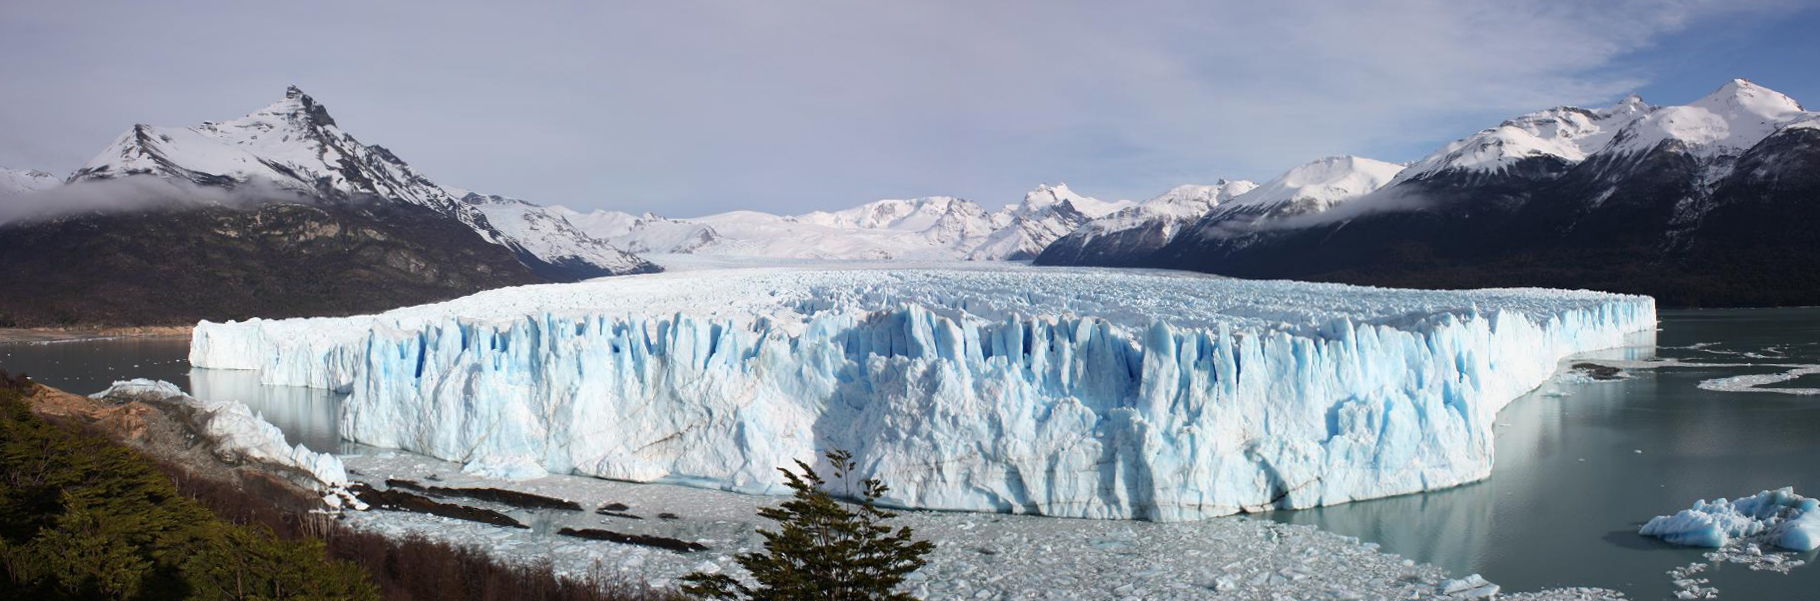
686	107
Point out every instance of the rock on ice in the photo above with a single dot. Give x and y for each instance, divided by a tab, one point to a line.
1065	392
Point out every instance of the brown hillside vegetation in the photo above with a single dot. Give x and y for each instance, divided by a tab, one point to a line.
83	516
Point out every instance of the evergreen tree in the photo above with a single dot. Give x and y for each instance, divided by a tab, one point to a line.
824	549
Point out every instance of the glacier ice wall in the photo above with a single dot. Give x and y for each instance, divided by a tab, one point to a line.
1065	392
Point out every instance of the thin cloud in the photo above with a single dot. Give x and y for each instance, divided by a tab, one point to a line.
136	194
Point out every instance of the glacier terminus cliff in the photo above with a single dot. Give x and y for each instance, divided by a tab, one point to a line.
1054	391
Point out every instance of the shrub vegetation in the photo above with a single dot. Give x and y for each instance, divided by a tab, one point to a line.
83	517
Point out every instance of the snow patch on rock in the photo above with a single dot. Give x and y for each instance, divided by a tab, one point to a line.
233	428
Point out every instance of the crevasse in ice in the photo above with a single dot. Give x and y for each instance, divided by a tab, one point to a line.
1065	392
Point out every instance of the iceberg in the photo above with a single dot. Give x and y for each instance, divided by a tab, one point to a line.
1779	517
1054	391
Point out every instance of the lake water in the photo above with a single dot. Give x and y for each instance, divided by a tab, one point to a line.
1569	489
1562	506
306	415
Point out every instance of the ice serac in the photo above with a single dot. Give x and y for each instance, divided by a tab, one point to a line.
1065	392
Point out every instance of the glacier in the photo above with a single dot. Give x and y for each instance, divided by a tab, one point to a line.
1071	392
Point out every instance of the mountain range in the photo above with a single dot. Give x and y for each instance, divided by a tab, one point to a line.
1706	204
931	228
280	212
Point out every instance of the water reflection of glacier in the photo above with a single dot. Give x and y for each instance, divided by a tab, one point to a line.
1460	528
306	415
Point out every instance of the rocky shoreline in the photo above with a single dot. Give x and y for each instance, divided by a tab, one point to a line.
39	335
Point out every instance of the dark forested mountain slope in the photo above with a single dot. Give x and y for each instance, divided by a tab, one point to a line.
176	265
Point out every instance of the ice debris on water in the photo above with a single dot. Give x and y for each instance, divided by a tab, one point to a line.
1470	587
1738	531
1062	392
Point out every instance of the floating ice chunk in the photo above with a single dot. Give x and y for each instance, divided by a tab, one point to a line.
1470	587
514	468
1761	382
139	389
1065	392
1779	517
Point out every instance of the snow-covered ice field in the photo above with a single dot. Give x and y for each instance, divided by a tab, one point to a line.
1062	392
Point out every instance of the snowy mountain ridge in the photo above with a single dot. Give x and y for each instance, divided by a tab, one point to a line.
927	228
1124	237
1693	204
20	181
1146	225
549	236
1179	205
1318	185
1728	121
292	143
295	145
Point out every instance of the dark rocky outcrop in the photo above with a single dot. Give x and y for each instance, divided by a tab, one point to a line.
657	542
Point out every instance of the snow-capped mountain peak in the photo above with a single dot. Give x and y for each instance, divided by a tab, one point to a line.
1320	185
1202	196
1045	195
1046	198
1146	226
1741	97
911	214
1184	202
294	145
20	181
297	110
1726	122
549	237
1567	134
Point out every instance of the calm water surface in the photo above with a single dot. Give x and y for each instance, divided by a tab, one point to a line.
306	415
1562	506
1569	489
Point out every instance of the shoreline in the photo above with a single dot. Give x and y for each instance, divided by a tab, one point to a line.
73	334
